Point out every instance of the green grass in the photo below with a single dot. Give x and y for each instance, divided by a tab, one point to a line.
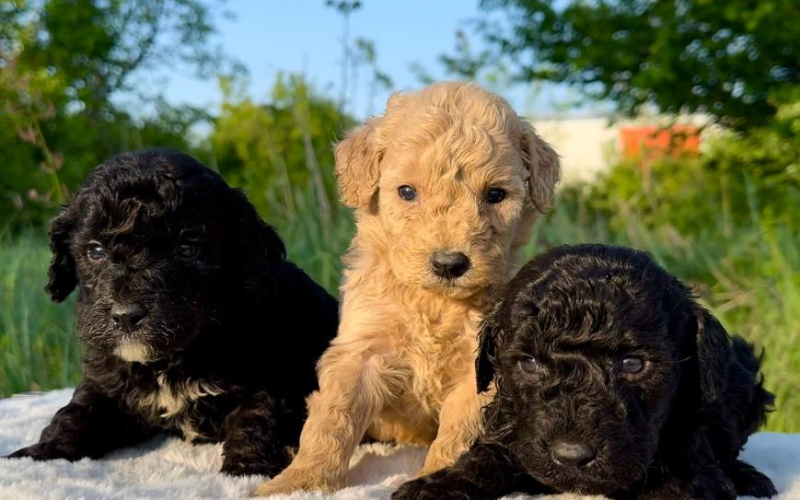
38	348
749	277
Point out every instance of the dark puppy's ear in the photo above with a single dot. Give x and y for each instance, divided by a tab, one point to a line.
713	354
62	274
258	249
486	361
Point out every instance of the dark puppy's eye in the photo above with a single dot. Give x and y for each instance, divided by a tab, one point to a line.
632	365
407	193
96	252
495	195
188	250
528	365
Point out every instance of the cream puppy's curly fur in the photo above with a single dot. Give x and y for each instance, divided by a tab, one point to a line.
402	366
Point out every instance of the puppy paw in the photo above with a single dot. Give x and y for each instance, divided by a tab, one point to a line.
299	479
701	487
750	482
416	489
438	460
251	468
44	451
427	489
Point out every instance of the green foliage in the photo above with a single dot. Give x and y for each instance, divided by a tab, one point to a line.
92	47
771	153
733	60
274	148
365	55
281	154
741	178
38	346
61	64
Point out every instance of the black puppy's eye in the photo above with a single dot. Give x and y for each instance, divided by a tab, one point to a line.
528	365
495	195
407	193
188	250
96	252
632	365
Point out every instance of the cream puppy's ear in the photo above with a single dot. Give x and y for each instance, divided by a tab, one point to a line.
543	165
358	159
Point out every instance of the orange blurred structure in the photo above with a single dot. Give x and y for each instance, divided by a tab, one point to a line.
647	143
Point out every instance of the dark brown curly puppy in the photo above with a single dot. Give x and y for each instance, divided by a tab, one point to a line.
191	319
610	380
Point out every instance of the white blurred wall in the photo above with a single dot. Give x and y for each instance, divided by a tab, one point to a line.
589	146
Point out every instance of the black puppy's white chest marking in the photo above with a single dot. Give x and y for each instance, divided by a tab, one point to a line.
171	401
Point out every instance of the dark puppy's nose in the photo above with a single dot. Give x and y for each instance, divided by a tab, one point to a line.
449	265
573	454
128	316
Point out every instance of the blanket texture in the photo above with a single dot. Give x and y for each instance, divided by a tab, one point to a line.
168	468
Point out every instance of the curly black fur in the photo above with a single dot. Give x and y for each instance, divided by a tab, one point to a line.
225	332
573	420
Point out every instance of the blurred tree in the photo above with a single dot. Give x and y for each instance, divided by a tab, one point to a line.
346	9
94	46
364	54
279	149
464	62
61	64
734	60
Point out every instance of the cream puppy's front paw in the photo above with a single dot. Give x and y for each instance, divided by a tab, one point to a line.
300	479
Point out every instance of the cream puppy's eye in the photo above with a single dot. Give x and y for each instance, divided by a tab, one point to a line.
407	193
495	195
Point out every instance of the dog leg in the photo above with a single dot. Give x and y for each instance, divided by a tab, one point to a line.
748	481
255	440
693	484
354	386
485	472
459	425
91	425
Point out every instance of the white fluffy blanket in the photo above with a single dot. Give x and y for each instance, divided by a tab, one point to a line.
171	469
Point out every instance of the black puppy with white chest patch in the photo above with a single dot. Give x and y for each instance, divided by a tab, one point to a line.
192	320
610	380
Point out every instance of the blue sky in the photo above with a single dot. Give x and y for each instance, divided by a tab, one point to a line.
304	36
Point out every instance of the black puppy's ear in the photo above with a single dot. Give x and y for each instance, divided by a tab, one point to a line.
486	361
62	274
713	355
258	248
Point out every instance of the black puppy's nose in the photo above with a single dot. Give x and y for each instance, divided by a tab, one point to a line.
449	265
128	316
573	454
